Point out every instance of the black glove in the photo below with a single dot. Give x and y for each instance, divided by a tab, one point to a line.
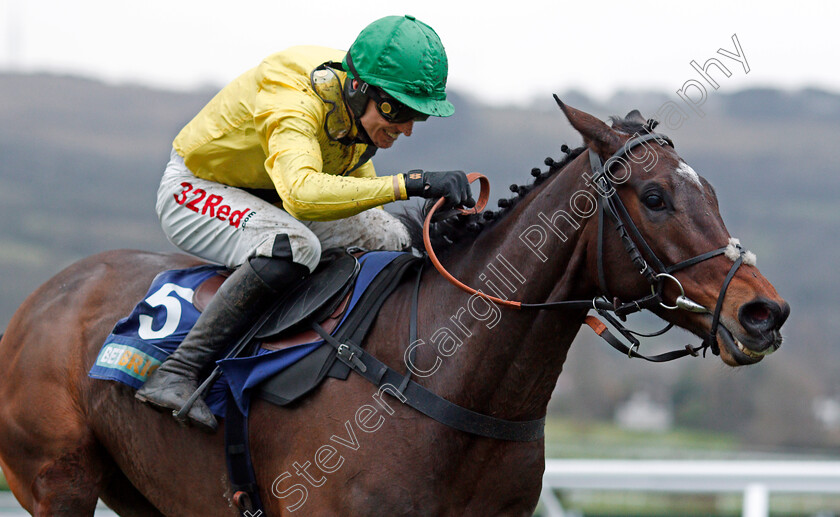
452	185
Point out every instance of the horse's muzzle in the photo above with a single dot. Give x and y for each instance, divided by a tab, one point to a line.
761	320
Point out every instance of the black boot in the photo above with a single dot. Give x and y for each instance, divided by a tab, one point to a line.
238	303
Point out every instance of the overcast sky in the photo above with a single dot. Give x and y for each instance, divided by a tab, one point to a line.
506	54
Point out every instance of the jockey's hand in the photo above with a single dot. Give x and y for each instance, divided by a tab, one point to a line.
451	185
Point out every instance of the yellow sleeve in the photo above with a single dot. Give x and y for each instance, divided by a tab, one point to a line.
367	171
287	120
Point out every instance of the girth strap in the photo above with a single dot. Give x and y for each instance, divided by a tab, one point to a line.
243	480
387	379
412	326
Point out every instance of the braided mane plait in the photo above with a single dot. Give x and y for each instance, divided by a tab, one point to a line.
451	230
454	229
520	191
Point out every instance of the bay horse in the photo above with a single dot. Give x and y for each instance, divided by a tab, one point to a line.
66	439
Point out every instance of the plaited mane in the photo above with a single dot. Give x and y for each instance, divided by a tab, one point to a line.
455	229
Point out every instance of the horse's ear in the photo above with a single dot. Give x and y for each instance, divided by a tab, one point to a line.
596	134
635	116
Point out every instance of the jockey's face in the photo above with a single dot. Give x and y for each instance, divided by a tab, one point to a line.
383	133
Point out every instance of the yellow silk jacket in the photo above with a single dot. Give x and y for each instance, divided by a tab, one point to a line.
266	129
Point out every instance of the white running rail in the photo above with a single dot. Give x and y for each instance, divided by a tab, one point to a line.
755	479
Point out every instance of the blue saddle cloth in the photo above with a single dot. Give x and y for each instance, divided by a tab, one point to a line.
139	343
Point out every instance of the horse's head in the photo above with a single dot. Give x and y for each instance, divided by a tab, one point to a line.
676	213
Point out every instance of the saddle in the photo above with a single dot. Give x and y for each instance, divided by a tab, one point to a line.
323	298
318	297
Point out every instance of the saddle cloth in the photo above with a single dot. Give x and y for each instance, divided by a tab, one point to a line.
139	343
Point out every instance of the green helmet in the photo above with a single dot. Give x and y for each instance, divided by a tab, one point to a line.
404	57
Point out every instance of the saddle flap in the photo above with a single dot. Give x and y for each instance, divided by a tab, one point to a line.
329	324
303	377
329	283
207	290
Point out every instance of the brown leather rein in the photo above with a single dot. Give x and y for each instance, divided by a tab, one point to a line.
483	197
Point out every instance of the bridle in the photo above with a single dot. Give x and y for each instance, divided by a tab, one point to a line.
643	257
652	269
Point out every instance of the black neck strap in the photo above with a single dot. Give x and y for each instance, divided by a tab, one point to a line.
416	396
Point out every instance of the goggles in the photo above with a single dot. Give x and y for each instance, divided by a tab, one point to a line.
391	109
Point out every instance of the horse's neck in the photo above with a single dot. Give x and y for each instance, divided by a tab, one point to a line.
509	363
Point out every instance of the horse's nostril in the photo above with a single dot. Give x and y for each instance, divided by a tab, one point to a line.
762	315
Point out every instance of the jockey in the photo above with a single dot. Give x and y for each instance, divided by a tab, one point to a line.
277	167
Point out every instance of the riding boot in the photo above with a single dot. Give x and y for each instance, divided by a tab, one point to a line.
238	303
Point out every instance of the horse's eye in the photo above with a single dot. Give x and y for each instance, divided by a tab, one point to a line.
654	201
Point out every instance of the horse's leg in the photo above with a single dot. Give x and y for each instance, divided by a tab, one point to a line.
60	489
53	458
54	463
124	498
71	483
58	479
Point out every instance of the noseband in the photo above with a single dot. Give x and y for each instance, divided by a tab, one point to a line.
643	258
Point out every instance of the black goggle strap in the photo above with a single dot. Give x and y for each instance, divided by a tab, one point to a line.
392	109
388	108
364	87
